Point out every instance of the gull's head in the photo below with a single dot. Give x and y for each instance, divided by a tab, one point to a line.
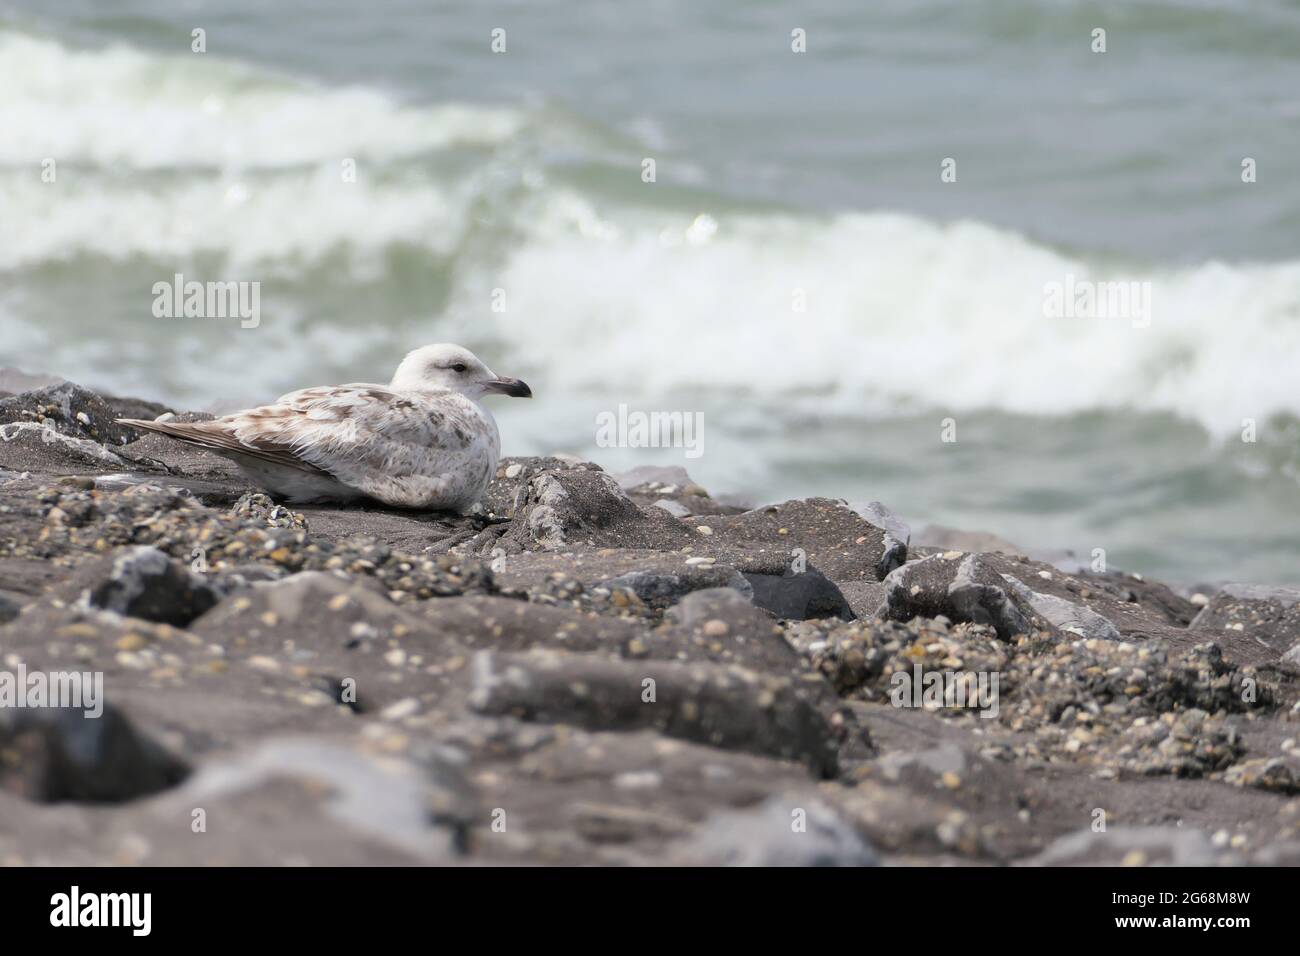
454	368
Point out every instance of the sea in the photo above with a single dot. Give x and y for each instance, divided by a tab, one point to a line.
1029	267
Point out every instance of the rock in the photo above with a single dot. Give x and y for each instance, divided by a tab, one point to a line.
1063	615
657	579
588	508
10	605
355	630
204	693
721	626
262	508
657	589
144	582
567	795
606	824
323	628
725	605
1279	774
933	762
798	596
959	587
76	412
1281	853
1018	596
1135	846
28	446
26	578
796	830
924	824
426	812
1268	615
1128	600
673	490
864	597
508	490
308	599
727	707
64	754
496	623
73	525
653	475
412	532
898	536
813	533
286	801
1113	705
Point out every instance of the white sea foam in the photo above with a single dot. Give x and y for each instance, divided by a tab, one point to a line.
170	156
898	310
123	107
289	220
166	157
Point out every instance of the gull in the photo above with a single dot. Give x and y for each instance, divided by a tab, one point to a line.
422	441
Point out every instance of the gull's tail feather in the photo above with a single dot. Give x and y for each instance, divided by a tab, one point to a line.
216	436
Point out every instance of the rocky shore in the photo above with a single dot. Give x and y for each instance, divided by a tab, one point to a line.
602	669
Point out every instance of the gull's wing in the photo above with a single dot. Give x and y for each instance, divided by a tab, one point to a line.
402	448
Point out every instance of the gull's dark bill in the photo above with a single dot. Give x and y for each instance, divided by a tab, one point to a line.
515	388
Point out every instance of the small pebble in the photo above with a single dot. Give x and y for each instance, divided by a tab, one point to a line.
402	708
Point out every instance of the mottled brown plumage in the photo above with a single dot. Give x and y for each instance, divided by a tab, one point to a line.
423	441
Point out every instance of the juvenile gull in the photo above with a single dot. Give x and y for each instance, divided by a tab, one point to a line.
422	441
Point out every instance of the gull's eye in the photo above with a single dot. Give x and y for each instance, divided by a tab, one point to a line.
458	367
